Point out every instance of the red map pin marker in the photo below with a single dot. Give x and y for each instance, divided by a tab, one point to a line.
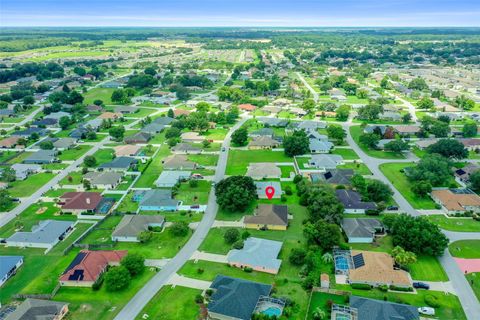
270	192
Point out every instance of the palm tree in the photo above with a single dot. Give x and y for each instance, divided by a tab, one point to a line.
318	314
327	257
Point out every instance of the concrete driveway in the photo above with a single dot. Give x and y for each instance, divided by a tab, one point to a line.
178	280
199	255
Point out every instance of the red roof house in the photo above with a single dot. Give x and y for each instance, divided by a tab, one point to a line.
247	107
78	202
88	265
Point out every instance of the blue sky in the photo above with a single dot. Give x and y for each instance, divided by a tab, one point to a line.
240	13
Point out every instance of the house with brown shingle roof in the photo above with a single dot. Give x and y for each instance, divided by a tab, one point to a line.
127	150
88	265
247	107
471	144
407	130
457	200
178	162
181	112
110	115
268	217
263	142
9	142
78	202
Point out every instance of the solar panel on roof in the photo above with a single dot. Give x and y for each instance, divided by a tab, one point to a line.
77	275
327	175
76	261
358	260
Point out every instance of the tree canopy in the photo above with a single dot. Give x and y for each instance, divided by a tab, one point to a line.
235	193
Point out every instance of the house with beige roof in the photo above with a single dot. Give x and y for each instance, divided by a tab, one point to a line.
457	200
128	150
268	217
262	170
263	142
194	137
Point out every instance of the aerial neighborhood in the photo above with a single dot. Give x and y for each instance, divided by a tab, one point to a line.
239	174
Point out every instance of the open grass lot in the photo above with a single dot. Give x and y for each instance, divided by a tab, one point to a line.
392	172
215	134
86	304
54	166
29	217
104	156
359	168
104	94
74	153
474	281
468	249
172	303
102	234
27	187
450	307
6	155
381	244
57	192
19	157
356	131
197	195
455	224
427	268
286	171
127	204
238	160
141	113
321	300
347	154
74	177
154	169
209	160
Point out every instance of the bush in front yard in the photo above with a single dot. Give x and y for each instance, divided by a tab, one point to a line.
431	301
361	286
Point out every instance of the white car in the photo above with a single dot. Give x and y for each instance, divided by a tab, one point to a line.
427	311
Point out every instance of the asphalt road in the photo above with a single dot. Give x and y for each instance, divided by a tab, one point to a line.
313	92
138	302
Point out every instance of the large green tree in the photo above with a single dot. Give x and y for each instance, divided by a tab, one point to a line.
449	148
235	193
240	137
296	144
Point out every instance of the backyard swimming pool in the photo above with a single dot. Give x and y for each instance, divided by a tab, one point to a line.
272	311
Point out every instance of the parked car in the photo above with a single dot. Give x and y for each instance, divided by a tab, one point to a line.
426	311
421	285
393	208
223	149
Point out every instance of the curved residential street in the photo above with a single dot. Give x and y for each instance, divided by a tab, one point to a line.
138	302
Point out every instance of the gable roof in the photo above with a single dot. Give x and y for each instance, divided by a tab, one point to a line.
328	161
81	200
158	198
370	309
36	309
132	225
269	214
46	231
360	228
119	163
7	263
236	298
352	200
264	141
258	253
88	265
335	176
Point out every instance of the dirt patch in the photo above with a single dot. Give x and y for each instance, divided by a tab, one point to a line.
41	210
86	307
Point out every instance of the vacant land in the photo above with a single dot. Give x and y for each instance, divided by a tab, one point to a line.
468	249
455	224
238	160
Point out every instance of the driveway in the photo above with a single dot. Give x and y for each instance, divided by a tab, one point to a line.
178	280
148	291
212	257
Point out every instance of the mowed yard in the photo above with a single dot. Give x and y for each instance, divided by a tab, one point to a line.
467	249
455	224
357	131
238	160
400	181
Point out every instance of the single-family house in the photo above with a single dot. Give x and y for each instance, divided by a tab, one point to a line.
247	107
57	115
168	179
139	137
64	143
8	267
407	130
126	109
46	234
103	180
263	142
132	225
10	142
165	121
320	146
178	162
259	254
457	200
153	128
87	267
192	137
308	125
79	133
375	128
352	201
110	116
390	115
263	170
119	164
127	150
181	112
45	123
29	131
41	157
157	200
235	299
425	143
463	174
325	162
334	177
78	202
22	171
263	132
273	122
186	148
361	230
268	217
366	309
37	309
471	144
262	187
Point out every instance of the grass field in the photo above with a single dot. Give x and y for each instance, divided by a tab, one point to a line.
154	169
197	195
356	131
347	154
468	249
392	172
428	268
204	159
57	193
104	156
74	153
474	281
104	94
359	168
238	160
172	303
455	224
25	188
321	300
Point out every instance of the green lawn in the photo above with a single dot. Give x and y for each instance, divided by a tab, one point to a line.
286	171
127	204
321	300
86	304
57	193
356	131
74	153
359	168
238	160
172	303
428	268
20	157
204	159
154	169
104	94
455	224
347	154
27	187
74	177
400	181
104	156
468	249
215	134
474	281
197	195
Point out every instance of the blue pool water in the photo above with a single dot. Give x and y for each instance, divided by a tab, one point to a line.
272	311
341	263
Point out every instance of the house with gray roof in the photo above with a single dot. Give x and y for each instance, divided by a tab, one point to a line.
317	136
263	185
308	125
263	132
131	225
153	128
319	146
41	157
57	115
234	298
263	142
93	124
186	148
139	137
157	200
64	143
163	121
46	234
178	162
119	164
126	109
22	171
258	254
372	128
325	162
335	176
168	179
29	131
352	201
370	309
8	267
104	180
36	309
361	230
273	122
